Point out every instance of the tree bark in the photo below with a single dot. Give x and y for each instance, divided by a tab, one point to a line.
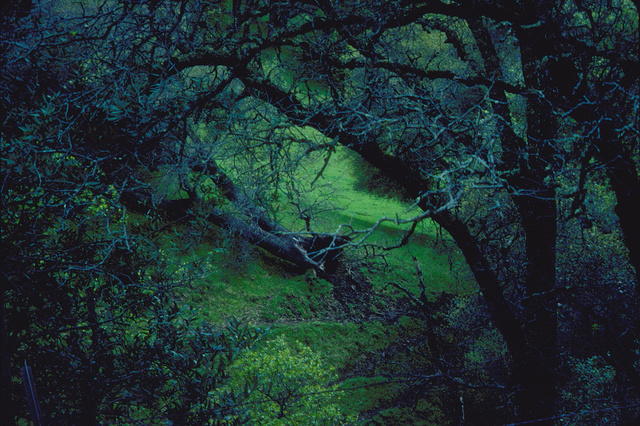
301	252
625	182
538	375
501	313
286	247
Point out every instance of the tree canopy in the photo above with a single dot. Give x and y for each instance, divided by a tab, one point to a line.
512	125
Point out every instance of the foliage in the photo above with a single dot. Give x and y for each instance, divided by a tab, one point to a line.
88	292
89	304
588	394
423	414
288	384
136	131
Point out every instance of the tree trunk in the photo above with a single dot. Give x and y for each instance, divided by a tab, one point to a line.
534	196
286	247
501	313
538	375
301	252
625	183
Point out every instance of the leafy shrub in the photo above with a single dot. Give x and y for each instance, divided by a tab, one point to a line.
588	394
287	384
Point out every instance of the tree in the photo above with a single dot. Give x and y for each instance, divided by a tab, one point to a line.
530	84
87	301
498	119
87	288
288	384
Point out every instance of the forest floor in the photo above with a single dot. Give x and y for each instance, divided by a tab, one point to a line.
353	319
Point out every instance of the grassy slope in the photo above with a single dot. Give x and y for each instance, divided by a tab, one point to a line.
251	286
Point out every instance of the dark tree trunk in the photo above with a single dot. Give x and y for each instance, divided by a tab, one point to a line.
625	182
526	164
501	313
535	199
538	375
533	347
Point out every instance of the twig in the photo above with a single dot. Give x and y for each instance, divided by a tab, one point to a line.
32	396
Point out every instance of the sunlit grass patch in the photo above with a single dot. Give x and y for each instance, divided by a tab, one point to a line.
260	294
246	284
341	344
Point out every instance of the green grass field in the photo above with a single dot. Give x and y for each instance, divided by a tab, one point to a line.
244	283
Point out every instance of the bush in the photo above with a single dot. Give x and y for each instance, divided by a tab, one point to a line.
287	384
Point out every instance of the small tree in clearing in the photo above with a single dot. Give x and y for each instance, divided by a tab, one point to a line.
288	385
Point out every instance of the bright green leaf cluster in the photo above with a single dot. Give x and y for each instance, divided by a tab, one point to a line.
287	384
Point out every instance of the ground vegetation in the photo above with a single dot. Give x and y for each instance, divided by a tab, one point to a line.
154	149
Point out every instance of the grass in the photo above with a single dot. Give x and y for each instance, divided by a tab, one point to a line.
341	344
249	285
260	296
245	283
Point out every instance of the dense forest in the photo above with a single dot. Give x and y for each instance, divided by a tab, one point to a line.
320	212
